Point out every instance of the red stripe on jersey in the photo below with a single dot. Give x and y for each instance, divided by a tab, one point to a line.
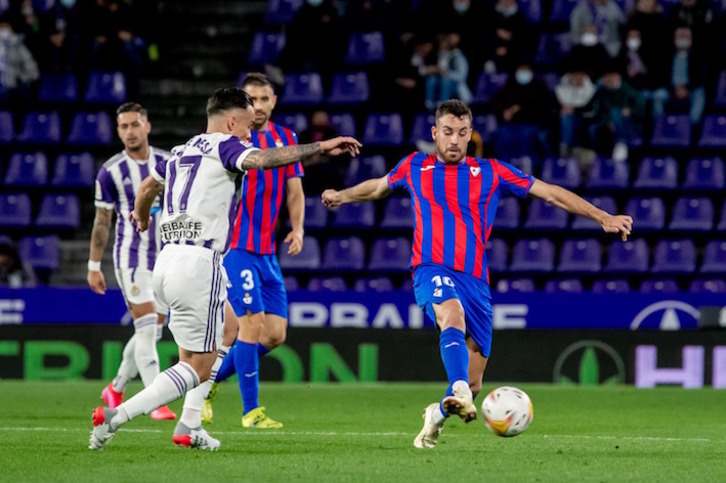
508	176
266	226
495	185
474	197
403	170
275	135
437	212
249	202
418	219
238	219
452	201
288	134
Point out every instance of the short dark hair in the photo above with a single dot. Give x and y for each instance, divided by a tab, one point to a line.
454	107
257	79
227	98
131	107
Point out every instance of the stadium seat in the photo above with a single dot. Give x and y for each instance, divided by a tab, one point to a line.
297	122
714	258
397	214
266	48
713	134
671	132
705	174
344	254
552	49
380	284
7	127
407	285
343	123
365	48
40	128
520	285
106	88
15	210
73	171
363	168
561	10
316	214
487	85
610	286
544	216
58	88
355	215
507	217
562	171
659	286
722	223
699	285
330	284
497	255
307	259
282	11
390	255
383	130
92	128
674	256
302	89
291	283
567	286
628	257
484	124
532	10
608	174
349	88
657	173
27	169
719	98
421	129
692	214
533	256
606	203
647	213
42	253
580	256
59	211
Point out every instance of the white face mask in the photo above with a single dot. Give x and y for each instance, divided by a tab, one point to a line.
507	11
461	7
68	3
633	43
588	39
315	3
5	33
523	77
683	43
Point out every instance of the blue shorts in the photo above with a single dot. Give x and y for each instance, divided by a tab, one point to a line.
434	284
256	283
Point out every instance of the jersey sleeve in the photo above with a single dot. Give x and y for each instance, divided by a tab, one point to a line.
294	170
106	193
233	152
158	172
512	180
397	176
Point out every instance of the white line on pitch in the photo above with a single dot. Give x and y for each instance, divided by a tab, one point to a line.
627	438
243	433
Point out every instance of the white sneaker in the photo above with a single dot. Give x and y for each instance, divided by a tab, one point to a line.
429	435
461	404
620	152
102	432
194	438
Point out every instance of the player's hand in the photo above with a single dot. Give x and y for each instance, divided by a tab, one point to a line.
332	198
295	239
141	225
340	145
97	282
622	224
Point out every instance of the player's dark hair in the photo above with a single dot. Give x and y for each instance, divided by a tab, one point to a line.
227	98
454	107
132	107
257	79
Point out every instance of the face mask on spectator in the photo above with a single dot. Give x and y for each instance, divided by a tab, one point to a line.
633	43
508	11
5	33
588	39
683	43
523	76
461	7
68	3
315	3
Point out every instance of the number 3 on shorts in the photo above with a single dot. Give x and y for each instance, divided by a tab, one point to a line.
439	280
249	282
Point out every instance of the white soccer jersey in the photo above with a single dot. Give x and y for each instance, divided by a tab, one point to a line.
202	181
117	183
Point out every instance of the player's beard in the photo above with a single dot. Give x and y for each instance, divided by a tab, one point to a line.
262	124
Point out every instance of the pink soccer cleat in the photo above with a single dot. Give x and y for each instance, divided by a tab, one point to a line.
163	414
111	397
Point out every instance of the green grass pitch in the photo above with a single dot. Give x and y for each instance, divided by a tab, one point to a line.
365	433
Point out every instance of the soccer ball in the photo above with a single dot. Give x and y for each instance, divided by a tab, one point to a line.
507	411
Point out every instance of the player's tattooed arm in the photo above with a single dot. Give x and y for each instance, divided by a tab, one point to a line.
276	157
99	234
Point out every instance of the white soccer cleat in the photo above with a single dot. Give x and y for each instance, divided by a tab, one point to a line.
194	438
461	403
429	435
102	432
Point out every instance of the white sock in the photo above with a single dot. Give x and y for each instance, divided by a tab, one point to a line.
147	359
439	416
127	370
159	331
192	412
461	387
171	384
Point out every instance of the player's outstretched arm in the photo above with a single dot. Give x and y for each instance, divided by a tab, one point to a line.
99	239
276	157
370	190
148	191
567	200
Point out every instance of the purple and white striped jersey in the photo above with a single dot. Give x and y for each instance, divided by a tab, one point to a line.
117	182
202	180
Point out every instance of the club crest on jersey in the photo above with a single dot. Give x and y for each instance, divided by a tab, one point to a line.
135	290
247	298
278	143
437	292
475	170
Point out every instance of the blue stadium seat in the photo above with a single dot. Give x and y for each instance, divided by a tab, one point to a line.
719	98
705	174
344	254
41	128
91	128
383	130
58	88
487	85
42	6
421	129
497	255
484	124
605	203
611	286
282	11
666	286
533	256
379	284
507	217
297	122
344	123
42	253
628	257
700	285
351	88
364	168
694	214
520	285
7	127
647	213
291	283
365	48
580	256
608	174
15	210
552	49
266	48
657	173
302	89
106	88
566	286
562	171
59	211
714	258
722	220
407	285
27	169
544	216
674	256
390	255
714	132
355	215
561	10
671	132
316	214
307	259
330	284
73	171
397	214
532	10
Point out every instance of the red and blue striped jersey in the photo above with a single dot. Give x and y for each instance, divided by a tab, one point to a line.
454	207
262	193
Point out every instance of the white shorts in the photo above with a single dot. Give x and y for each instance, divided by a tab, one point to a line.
137	287
193	283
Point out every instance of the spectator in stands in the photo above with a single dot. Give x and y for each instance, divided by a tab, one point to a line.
58	38
18	69
510	37
369	15
696	15
320	172
588	54
647	17
646	70
605	16
13	272
688	74
448	79
574	93
407	54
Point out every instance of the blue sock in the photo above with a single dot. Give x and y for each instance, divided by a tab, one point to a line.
227	368
262	351
247	365
455	356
